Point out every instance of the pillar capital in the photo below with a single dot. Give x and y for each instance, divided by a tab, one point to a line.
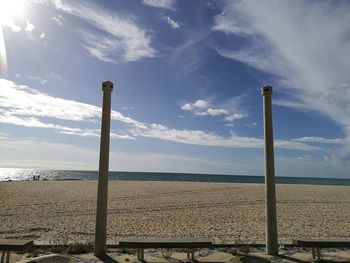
266	90
107	86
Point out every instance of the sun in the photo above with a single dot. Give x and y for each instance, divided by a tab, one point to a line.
10	9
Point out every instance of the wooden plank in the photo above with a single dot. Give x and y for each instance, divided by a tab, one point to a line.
165	242
15	244
321	243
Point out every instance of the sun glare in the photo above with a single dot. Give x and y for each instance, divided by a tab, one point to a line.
9	9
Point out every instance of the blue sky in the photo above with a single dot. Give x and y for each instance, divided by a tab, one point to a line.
187	78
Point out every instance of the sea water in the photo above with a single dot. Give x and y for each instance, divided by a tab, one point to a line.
19	174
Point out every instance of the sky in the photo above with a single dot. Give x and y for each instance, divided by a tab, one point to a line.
187	78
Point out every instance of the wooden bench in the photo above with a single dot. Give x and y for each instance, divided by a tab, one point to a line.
317	244
8	245
190	244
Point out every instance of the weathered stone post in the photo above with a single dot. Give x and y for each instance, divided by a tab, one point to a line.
270	191
102	190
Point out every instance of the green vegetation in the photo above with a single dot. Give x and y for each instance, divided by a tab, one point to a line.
80	248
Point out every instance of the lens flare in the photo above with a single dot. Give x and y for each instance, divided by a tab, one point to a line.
9	10
3	57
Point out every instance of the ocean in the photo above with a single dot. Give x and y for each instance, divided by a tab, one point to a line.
19	174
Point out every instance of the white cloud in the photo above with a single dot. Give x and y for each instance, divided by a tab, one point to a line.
42	35
313	139
198	137
172	22
292	145
187	106
216	112
202	108
166	4
201	104
122	39
29	27
24	106
14	27
9	22
235	116
23	102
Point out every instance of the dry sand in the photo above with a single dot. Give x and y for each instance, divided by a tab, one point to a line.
65	211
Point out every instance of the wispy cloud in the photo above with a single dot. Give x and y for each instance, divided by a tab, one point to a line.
172	22
42	79
101	47
199	137
309	59
321	140
37	153
122	39
24	106
166	4
304	44
58	19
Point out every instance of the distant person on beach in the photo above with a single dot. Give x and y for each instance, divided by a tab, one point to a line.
35	177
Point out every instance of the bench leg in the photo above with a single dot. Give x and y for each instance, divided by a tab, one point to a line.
8	257
7	253
140	254
190	254
318	254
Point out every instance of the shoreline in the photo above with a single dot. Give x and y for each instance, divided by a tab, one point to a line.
13	174
174	181
65	210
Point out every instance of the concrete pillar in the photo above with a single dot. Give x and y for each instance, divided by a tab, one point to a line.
270	189
102	189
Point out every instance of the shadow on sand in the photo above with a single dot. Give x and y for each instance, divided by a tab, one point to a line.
107	259
244	259
292	259
303	261
253	259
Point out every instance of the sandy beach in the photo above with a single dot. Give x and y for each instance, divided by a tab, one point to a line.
61	211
